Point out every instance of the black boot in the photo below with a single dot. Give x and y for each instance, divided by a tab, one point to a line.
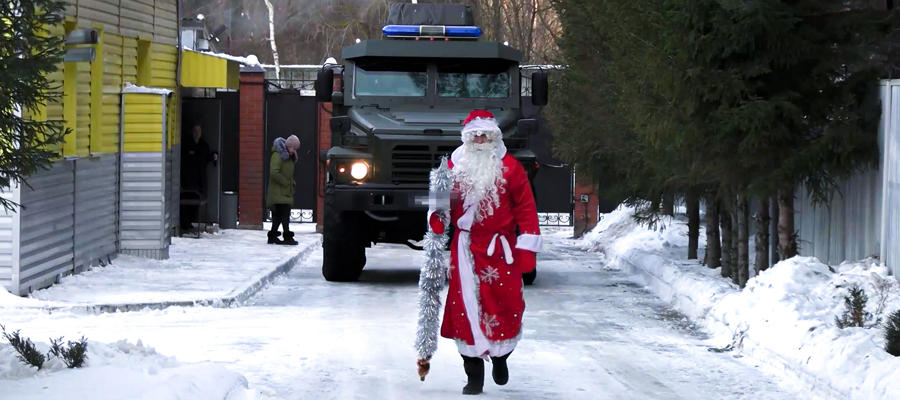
273	237
475	371
289	239
500	372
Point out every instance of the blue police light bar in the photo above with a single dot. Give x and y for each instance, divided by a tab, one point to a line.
459	32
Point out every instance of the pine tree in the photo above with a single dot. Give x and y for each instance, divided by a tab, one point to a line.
752	97
713	245
28	53
892	334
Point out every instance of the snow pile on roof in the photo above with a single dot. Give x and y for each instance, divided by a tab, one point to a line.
117	371
784	317
132	88
249	60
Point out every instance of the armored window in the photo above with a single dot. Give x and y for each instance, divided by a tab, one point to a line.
473	80
390	79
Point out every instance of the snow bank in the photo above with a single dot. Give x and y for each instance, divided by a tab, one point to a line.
9	300
218	269
119	371
784	317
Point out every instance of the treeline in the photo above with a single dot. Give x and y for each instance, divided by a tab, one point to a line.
728	102
308	31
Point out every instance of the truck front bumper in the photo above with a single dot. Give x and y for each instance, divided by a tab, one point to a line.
380	197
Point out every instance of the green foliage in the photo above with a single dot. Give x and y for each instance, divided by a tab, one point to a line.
28	353
728	98
892	334
28	53
855	314
74	355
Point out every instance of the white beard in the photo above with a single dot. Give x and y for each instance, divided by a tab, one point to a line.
479	174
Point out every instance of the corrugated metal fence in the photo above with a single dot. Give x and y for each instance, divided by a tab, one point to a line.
82	212
68	220
890	237
854	227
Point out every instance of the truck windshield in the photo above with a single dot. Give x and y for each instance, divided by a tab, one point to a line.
468	80
375	79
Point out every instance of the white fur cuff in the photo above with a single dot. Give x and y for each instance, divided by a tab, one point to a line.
530	242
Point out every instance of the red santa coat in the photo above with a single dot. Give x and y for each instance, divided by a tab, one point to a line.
485	287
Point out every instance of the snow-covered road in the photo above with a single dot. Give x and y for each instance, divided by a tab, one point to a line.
589	334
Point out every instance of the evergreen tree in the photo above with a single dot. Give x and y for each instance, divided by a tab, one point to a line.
745	98
28	53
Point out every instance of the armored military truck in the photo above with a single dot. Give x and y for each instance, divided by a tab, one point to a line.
398	106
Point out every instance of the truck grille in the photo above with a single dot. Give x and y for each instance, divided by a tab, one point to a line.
413	163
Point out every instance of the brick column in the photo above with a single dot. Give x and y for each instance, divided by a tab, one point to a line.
324	144
251	198
585	213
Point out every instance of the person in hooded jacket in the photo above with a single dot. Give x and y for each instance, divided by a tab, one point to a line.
280	193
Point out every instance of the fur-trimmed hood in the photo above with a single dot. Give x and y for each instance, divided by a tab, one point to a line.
280	147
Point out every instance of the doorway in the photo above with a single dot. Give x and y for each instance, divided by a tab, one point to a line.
205	113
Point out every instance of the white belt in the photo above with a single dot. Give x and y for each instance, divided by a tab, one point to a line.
507	250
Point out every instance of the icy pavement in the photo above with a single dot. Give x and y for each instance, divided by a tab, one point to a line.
589	334
210	268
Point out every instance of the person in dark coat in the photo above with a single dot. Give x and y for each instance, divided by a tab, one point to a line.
280	192
195	158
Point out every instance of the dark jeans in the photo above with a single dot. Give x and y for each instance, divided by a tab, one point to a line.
281	215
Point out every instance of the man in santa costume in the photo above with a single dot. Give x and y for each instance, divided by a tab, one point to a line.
485	299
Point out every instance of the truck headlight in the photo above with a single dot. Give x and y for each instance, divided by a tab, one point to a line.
359	170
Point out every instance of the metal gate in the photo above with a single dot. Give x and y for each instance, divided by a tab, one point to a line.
554	183
288	112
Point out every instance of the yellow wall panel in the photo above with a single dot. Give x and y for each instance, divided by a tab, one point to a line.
111	116
135	118
166	83
113	80
143	128
83	113
205	71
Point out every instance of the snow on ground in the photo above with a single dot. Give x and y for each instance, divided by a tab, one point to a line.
117	371
589	333
212	267
786	314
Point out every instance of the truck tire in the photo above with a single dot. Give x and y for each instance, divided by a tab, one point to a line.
529	277
343	248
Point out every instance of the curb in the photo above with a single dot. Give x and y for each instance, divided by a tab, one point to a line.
235	298
685	303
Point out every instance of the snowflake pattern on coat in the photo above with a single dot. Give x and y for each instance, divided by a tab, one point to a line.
490	322
489	275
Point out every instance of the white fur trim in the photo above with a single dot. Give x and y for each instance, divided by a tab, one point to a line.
458	153
530	242
469	297
479	124
496	350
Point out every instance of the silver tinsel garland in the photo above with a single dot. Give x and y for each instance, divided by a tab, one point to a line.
433	274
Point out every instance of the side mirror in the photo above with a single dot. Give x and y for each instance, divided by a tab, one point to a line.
539	89
324	85
527	127
340	125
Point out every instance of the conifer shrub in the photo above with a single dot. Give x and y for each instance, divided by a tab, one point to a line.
28	353
855	314
892	334
73	355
